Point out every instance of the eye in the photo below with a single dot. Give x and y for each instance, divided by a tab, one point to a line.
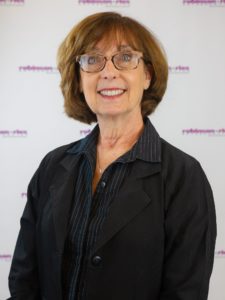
126	57
92	59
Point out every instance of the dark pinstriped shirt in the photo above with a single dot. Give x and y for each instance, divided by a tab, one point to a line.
90	210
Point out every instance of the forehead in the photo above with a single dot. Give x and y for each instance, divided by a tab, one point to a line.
113	46
114	39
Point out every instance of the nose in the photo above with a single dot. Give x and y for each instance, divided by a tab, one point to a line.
109	71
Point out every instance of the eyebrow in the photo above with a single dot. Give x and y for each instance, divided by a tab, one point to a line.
119	48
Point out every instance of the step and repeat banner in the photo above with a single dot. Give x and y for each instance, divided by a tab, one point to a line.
32	121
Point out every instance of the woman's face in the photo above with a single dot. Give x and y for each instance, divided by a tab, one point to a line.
111	92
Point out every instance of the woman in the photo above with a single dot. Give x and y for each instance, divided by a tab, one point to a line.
120	214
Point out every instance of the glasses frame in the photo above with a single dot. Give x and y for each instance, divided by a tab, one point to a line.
111	57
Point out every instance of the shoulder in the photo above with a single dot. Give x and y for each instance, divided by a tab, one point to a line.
52	160
183	175
172	158
49	165
181	170
56	155
177	160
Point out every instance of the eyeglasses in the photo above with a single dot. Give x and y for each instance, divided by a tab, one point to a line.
92	63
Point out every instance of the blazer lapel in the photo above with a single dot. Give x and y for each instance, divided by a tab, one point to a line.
129	203
61	193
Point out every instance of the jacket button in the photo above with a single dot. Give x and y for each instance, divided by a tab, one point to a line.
103	184
96	260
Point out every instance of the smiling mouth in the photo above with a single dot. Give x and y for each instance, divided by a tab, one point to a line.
111	92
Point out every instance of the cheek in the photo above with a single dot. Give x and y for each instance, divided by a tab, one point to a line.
88	87
137	82
137	86
89	91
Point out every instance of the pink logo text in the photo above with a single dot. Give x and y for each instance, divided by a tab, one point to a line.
179	69
13	133
210	132
46	69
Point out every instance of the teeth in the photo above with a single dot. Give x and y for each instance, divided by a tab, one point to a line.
111	92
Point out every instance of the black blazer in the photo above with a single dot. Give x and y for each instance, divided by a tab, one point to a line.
156	244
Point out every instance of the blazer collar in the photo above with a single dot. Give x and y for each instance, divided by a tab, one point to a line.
147	148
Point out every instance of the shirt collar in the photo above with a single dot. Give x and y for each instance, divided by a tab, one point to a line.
147	148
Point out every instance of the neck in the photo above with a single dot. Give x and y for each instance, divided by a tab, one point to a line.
120	132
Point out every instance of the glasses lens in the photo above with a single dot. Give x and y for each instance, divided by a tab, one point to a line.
126	60
91	62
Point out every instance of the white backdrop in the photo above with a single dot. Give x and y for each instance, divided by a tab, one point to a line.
32	121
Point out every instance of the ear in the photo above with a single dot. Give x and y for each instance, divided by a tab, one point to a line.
147	77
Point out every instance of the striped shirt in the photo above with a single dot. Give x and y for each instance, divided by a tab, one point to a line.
90	210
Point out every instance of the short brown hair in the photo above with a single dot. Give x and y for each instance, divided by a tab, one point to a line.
109	26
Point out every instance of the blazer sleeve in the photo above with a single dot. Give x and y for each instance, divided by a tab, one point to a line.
23	276
190	226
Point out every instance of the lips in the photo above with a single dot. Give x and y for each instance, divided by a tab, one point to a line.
111	92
